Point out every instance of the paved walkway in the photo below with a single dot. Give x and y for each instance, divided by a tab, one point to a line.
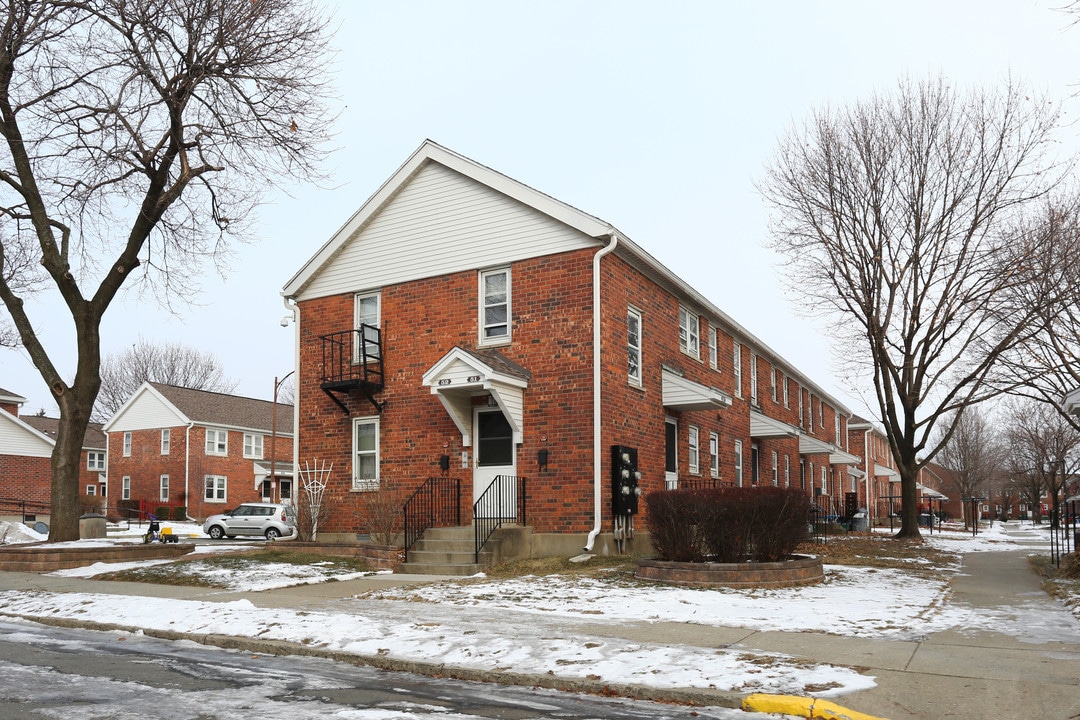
1031	668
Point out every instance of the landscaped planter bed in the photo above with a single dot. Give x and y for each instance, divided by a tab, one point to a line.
799	570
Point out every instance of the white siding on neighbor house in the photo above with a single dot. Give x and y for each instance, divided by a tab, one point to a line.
17	439
441	222
147	411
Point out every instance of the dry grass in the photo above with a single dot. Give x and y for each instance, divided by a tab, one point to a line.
597	565
866	550
186	571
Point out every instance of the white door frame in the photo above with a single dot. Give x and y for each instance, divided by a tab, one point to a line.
484	475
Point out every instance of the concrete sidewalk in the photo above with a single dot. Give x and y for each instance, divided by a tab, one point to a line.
967	676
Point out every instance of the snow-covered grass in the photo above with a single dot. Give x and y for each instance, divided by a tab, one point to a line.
553	623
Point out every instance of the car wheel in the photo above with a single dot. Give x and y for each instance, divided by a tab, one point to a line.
272	533
216	532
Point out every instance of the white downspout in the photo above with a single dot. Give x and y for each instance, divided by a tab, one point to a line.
187	468
871	507
598	454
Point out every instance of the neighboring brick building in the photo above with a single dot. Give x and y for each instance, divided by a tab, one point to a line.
462	324
203	450
26	446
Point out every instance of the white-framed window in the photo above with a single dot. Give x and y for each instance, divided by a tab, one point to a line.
809	412
787	471
633	345
95	460
367	311
689	341
825	478
125	488
821	413
837	423
91	489
753	378
216	489
694	451
495	310
772	383
714	454
736	358
775	468
253	446
738	463
365	475
802	420
784	389
127	444
166	440
217	441
163	488
712	347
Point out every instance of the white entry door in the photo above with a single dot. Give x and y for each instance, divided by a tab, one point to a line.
495	454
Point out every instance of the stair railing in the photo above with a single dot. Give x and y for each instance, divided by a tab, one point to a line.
502	502
436	503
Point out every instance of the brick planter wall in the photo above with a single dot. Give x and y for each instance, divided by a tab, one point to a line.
46	558
380	557
800	570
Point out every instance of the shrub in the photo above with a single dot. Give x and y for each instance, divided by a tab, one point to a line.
162	512
179	513
728	524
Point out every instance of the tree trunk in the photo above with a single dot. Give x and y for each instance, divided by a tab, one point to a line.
909	499
66	464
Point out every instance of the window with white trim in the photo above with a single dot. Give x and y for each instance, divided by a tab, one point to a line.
736	358
365	475
91	489
712	346
166	440
784	385
775	468
216	489
787	471
95	460
825	478
253	446
217	441
837	419
127	444
714	454
772	382
125	488
802	417
495	311
693	451
821	413
163	488
738	463
689	341
367	311
633	345
753	378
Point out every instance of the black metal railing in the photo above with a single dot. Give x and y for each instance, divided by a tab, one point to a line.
1064	531
23	508
502	502
351	360
436	503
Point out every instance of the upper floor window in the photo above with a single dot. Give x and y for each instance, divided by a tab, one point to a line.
784	384
689	342
753	378
217	442
694	451
633	345
495	306
772	383
837	423
802	420
253	446
365	454
127	444
95	460
712	347
736	358
367	309
166	440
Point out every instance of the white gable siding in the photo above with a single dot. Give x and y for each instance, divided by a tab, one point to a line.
441	222
16	439
146	412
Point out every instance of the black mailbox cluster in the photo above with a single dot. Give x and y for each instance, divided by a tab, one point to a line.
624	480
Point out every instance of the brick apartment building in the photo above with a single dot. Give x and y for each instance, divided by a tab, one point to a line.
26	446
206	451
464	325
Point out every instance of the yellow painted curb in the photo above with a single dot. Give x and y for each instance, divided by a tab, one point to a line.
806	707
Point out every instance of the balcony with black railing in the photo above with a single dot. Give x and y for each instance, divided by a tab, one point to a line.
352	361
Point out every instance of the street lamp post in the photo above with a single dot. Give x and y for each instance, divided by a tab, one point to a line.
273	434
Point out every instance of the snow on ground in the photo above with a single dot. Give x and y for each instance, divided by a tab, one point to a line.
549	624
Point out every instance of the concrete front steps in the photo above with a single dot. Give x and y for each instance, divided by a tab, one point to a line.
450	551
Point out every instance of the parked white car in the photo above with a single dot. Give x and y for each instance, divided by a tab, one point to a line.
271	520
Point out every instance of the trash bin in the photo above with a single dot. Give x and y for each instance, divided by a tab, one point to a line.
924	520
91	525
859	522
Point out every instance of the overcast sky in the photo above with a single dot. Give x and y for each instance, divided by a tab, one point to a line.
656	117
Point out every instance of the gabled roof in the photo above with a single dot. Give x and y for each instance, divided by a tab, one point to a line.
93	439
589	225
6	396
20	439
203	407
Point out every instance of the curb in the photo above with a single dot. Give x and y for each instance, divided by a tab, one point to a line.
806	707
551	681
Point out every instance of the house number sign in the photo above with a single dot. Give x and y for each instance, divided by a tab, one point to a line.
445	381
474	378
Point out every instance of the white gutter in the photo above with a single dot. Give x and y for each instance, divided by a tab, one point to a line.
598	454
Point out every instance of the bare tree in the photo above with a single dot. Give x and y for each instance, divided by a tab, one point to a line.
973	455
170	363
138	137
889	214
1045	450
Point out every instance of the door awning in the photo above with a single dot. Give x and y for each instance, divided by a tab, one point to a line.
762	426
882	471
463	374
814	446
685	395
